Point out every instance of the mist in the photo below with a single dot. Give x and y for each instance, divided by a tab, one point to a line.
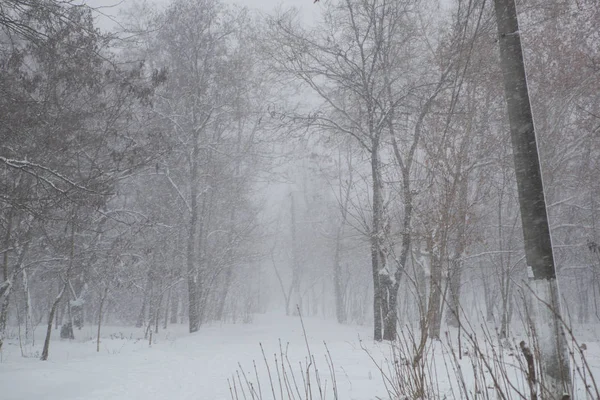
299	199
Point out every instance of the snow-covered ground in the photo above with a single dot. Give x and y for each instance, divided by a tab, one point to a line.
179	365
197	366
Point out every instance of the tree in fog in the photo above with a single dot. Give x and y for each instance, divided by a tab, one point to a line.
344	63
378	78
135	166
66	142
206	106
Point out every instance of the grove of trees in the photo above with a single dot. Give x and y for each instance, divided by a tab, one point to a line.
204	162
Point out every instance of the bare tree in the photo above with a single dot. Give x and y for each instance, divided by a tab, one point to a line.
358	67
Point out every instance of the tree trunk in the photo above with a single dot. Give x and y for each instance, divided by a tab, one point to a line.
102	299
191	262
489	299
28	318
4	310
422	294
294	297
7	285
157	313
146	308
338	277
174	304
232	224
222	301
338	287
376	233
141	320
547	324
454	284
405	166
391	318
6	278
434	305
455	275
46	348
390	321
506	291
59	316
167	308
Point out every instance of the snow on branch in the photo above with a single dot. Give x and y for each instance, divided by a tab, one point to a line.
34	169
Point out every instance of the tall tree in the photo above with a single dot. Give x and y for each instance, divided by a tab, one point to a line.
208	105
362	67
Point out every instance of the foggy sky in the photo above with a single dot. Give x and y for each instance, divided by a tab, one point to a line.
308	9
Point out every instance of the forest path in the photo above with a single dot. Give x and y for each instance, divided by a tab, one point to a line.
182	366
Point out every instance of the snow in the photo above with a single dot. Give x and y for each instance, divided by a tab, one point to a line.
77	302
179	365
182	366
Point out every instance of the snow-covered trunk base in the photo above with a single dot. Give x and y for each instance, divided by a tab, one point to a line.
551	349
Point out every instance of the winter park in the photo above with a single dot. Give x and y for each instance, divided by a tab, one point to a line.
299	199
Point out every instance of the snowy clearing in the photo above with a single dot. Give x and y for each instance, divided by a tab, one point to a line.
183	366
179	365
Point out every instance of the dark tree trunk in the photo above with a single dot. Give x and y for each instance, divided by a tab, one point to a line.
27	301
390	322
455	276
46	348
556	378
174	304
100	309
5	295
376	233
